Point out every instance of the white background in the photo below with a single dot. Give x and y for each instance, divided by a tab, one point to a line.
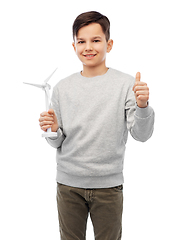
36	37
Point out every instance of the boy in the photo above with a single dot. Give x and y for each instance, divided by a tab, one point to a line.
92	112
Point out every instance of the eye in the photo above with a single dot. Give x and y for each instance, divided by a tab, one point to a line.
96	40
80	42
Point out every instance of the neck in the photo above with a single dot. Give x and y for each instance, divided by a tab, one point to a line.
93	71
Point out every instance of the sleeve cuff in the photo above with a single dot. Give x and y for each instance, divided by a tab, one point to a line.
143	112
59	134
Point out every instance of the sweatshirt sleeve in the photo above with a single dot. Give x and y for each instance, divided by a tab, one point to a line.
140	121
56	142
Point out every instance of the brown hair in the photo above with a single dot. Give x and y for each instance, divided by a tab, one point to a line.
87	18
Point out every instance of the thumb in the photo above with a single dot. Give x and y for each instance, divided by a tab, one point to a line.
138	76
51	111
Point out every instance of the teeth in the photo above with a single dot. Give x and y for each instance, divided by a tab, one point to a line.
89	55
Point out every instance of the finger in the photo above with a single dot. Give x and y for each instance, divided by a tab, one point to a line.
138	76
44	123
43	114
141	88
142	104
46	118
138	84
44	128
143	96
138	93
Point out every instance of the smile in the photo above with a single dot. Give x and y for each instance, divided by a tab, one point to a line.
90	56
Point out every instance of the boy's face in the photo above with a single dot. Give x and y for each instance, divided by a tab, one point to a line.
91	46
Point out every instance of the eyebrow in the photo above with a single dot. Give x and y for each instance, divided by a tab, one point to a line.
97	37
79	39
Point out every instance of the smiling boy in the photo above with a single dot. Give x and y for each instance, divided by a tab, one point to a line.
92	112
91	47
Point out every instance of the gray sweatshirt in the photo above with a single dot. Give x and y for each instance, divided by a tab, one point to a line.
94	117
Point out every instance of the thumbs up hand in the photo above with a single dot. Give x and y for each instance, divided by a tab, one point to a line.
141	92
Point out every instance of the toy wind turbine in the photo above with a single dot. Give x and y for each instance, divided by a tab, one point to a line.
46	87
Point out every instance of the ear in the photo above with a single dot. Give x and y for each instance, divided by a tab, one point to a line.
73	44
109	45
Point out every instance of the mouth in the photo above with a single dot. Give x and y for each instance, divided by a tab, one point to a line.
89	56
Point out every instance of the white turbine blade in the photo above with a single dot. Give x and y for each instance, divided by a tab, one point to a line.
46	80
35	85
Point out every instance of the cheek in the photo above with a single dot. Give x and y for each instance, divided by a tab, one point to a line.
79	50
101	49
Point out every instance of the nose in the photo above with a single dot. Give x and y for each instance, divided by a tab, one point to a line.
88	47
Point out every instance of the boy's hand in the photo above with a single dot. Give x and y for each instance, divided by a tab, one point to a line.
48	120
141	92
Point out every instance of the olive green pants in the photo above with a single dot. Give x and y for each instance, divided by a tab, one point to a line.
105	206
